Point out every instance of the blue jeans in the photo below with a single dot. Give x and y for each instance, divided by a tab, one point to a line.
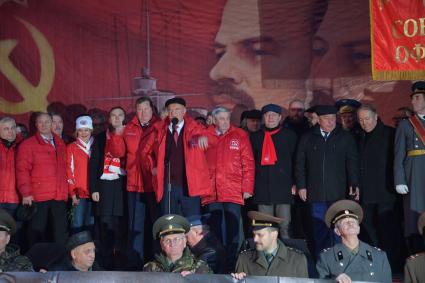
83	216
225	223
324	237
179	202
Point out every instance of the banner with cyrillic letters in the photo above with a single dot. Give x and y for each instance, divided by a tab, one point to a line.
398	39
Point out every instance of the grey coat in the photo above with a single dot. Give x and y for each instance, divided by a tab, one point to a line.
369	264
410	171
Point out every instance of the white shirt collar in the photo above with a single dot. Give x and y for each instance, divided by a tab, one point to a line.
179	126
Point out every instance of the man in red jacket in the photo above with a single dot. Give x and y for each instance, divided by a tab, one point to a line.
9	198
140	195
232	170
182	170
42	181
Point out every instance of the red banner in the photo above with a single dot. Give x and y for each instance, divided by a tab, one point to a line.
398	39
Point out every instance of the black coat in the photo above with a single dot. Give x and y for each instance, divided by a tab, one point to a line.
210	250
111	192
326	168
273	182
376	156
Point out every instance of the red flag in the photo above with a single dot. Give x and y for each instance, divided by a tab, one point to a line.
398	39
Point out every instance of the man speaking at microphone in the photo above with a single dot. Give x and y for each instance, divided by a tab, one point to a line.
182	171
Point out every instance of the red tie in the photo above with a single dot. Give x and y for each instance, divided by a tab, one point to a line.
175	134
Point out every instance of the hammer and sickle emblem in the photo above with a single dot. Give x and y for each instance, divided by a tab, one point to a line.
34	97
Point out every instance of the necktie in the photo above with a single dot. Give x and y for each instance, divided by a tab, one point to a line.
175	134
325	135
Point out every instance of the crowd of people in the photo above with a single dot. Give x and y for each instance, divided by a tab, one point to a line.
207	189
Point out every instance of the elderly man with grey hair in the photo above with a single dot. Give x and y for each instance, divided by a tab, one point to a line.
9	198
231	166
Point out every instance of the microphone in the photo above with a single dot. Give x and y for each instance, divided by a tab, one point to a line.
174	121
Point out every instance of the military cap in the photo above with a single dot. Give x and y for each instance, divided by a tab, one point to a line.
418	87
262	220
342	209
271	107
325	110
347	105
7	223
174	100
421	223
251	114
196	220
170	224
78	239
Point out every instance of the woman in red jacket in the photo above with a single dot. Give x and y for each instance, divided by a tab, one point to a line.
77	160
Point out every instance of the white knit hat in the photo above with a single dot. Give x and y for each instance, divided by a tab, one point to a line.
84	122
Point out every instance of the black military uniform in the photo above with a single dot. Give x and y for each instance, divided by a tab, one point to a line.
284	262
365	263
174	224
414	271
10	259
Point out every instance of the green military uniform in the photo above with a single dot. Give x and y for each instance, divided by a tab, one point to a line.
187	262
283	262
414	270
174	224
10	259
364	263
287	262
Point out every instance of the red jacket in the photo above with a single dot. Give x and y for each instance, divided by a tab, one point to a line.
198	181
8	192
41	169
231	166
77	166
139	163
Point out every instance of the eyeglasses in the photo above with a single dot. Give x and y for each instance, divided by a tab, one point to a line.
174	241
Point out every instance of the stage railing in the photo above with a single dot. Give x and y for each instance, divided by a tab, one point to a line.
136	277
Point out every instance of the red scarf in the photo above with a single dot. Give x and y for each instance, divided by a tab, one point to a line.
419	128
268	153
112	166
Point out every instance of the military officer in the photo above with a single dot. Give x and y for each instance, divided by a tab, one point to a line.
414	271
270	257
175	256
347	109
352	259
10	258
409	161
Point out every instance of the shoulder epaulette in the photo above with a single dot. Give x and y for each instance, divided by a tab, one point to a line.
247	250
326	250
415	256
295	250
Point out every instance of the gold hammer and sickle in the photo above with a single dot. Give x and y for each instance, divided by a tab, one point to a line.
34	97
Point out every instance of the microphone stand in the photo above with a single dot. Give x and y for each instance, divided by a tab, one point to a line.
169	187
